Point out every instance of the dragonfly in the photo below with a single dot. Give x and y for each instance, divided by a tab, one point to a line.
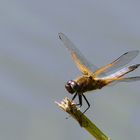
94	78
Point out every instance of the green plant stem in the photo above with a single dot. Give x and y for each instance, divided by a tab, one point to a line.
70	107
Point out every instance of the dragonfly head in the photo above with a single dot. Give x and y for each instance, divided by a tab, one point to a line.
71	86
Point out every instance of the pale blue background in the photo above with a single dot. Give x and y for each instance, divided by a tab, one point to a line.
34	66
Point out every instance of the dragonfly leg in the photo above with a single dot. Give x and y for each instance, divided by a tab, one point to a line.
86	102
80	100
74	96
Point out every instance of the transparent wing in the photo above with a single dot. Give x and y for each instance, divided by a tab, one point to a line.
87	68
128	79
120	73
82	63
121	61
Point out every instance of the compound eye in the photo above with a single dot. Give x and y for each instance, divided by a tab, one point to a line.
71	86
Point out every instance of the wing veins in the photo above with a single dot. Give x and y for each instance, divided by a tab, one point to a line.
119	62
82	63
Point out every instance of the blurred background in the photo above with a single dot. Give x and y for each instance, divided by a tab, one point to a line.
34	67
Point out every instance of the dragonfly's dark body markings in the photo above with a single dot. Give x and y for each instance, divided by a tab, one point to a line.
88	83
94	78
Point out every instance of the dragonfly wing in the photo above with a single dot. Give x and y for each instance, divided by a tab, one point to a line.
121	61
129	79
117	76
82	63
